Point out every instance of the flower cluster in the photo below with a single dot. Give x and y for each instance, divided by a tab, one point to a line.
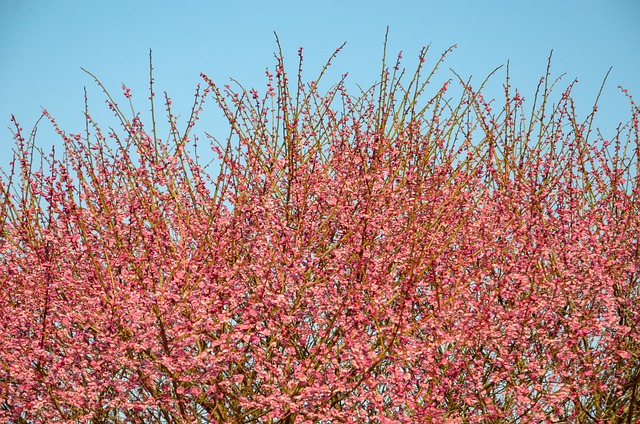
392	257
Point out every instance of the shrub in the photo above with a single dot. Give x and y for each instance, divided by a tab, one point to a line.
385	257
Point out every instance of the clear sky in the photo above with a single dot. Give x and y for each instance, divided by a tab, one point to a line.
44	43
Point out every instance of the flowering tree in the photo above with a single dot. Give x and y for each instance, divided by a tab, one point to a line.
387	257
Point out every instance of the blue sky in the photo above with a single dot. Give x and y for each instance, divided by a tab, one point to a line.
44	43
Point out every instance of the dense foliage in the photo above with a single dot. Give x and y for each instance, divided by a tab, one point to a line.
381	258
